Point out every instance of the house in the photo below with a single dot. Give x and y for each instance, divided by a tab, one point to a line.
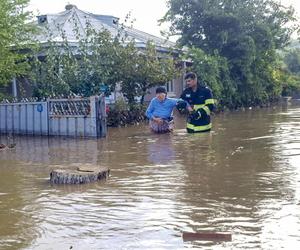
66	20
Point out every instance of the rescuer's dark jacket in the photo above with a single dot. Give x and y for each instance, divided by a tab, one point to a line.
202	103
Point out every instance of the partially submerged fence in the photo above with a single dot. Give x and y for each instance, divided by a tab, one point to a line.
76	117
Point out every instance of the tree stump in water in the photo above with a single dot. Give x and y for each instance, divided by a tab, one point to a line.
79	176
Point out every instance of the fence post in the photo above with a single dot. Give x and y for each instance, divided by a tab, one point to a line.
98	115
102	116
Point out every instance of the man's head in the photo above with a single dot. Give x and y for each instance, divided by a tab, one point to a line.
161	93
191	80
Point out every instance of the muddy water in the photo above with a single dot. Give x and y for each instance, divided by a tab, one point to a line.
242	178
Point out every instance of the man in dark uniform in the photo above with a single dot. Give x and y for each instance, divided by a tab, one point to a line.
201	104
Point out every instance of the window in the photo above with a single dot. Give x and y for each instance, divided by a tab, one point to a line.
170	86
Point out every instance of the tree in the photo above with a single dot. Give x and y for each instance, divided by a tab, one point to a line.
99	58
213	24
81	69
214	70
246	33
292	59
143	70
15	39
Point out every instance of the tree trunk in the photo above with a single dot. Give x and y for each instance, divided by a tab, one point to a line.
80	176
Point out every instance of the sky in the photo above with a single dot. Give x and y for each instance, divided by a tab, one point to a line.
145	12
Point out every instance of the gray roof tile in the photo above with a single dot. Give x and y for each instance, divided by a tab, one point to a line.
67	19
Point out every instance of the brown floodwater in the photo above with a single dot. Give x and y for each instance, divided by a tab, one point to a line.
241	178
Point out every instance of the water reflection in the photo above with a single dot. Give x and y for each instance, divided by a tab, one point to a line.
18	226
242	178
160	149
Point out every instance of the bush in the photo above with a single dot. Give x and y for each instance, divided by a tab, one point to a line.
122	114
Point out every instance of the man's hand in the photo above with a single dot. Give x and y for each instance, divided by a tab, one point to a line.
158	120
181	106
195	115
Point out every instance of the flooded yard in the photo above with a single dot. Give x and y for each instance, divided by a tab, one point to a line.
243	178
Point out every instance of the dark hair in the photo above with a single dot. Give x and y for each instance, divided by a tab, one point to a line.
190	75
161	90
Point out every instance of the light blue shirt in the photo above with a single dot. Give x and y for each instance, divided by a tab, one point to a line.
160	109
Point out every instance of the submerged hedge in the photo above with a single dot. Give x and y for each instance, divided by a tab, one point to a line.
121	114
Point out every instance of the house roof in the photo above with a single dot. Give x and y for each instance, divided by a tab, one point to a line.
73	18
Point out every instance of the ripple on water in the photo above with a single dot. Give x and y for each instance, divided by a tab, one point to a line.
242	179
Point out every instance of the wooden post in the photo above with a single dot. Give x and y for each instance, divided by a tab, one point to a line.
206	236
102	116
98	113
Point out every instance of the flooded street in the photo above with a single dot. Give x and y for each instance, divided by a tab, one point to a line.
242	178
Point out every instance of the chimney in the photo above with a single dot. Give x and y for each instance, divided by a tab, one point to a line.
42	19
70	6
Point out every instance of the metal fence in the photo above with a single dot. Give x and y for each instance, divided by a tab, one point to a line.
76	117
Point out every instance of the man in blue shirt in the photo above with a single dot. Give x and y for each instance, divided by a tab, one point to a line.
159	112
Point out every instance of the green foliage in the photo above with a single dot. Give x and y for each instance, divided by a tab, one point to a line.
15	39
292	59
238	42
143	70
289	82
122	114
2	96
213	24
100	59
213	70
291	86
80	69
